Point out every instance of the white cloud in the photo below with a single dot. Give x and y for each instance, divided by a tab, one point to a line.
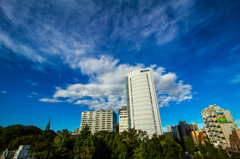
32	83
106	87
4	92
235	79
50	100
34	93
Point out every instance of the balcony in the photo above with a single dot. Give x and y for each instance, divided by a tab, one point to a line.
219	129
220	135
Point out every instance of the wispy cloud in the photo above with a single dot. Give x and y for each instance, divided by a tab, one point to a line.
50	100
32	94
235	79
32	83
94	26
4	92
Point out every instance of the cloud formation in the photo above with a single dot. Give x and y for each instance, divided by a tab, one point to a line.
32	83
107	88
4	92
50	100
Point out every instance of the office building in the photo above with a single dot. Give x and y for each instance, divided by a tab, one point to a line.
123	119
183	129
99	120
142	104
219	124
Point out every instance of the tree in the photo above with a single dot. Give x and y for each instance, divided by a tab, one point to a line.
91	148
171	149
116	146
202	149
141	151
12	132
212	153
197	156
62	144
189	145
234	155
38	142
134	137
222	153
84	133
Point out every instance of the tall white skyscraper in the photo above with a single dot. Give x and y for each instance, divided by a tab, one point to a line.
142	104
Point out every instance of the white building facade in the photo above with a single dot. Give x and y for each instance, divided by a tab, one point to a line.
123	119
142	104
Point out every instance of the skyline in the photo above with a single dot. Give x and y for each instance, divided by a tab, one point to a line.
60	58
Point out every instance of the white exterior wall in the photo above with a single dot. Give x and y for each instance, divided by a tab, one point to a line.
143	111
123	119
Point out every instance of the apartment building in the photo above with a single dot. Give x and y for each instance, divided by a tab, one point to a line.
219	125
99	120
123	119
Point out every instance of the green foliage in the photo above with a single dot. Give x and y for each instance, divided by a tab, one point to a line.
115	145
62	144
171	149
134	137
12	132
141	152
162	147
202	149
189	145
212	152
91	148
235	155
38	142
85	132
222	153
150	149
197	156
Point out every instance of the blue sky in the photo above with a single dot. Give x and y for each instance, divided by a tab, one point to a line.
59	58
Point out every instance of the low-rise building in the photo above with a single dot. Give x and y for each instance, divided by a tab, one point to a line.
234	139
197	136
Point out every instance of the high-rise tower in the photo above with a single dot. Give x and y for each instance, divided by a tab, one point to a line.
142	104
